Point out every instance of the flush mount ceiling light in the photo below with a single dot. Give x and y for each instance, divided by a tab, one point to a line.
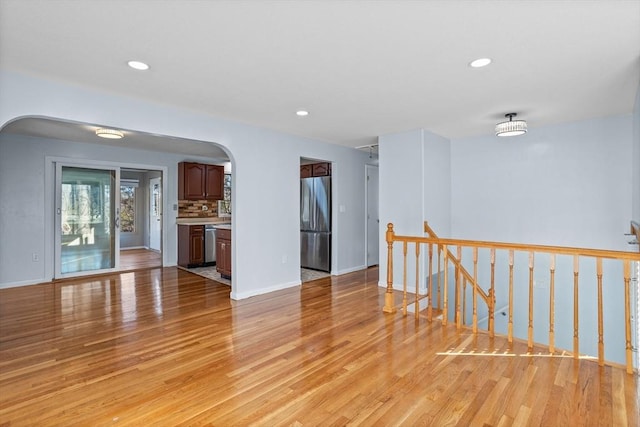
512	127
479	63
109	133
302	113
137	65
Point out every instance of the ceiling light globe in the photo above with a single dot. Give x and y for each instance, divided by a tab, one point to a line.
109	133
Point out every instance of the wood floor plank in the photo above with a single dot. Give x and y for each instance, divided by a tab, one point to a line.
163	346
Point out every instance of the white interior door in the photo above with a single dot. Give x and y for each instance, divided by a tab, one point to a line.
87	217
155	214
373	219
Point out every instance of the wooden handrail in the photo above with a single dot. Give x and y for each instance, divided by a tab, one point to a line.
635	231
463	278
487	299
558	250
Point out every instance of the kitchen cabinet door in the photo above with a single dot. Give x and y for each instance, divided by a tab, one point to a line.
223	252
191	181
305	171
214	185
321	169
190	245
196	245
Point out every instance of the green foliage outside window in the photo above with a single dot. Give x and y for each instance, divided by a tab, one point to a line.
127	209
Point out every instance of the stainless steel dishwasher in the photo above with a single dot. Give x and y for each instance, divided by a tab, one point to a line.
209	244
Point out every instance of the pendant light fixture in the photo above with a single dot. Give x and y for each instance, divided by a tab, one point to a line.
511	127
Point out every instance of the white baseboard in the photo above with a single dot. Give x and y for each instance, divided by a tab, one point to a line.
349	270
23	283
256	292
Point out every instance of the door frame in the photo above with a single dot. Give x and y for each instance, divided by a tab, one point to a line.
50	202
57	252
160	208
367	169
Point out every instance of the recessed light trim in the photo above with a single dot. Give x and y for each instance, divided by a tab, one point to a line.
480	62
138	65
109	133
302	113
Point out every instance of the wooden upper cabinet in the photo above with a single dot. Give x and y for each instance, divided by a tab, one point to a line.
197	181
191	181
214	188
321	169
315	169
305	171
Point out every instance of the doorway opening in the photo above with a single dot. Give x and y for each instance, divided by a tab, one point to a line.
372	216
140	219
315	219
108	218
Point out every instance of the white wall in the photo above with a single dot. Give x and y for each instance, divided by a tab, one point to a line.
636	160
265	190
567	185
414	186
437	183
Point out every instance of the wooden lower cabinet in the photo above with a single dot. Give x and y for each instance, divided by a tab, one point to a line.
223	252
190	245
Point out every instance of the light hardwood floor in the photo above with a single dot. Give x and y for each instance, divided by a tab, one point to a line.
167	347
136	259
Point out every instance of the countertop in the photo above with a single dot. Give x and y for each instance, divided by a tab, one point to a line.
202	221
222	227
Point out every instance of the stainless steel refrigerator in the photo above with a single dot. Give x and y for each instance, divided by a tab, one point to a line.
315	223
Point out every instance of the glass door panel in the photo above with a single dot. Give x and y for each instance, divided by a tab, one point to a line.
88	220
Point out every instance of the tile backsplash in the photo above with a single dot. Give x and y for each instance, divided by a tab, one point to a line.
193	208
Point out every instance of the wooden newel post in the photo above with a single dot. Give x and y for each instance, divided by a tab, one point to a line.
388	296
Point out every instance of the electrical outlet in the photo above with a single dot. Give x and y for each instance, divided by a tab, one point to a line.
35	257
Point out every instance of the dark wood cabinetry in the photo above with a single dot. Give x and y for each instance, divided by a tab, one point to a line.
190	245
214	182
321	169
197	181
306	171
315	169
223	252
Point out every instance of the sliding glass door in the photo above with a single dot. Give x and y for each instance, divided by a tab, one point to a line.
87	220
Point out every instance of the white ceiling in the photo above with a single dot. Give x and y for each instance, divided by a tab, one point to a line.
362	68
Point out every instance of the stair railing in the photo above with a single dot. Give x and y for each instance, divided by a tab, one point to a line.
463	278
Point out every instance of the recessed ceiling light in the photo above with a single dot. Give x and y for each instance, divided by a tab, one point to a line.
109	133
137	65
302	113
480	62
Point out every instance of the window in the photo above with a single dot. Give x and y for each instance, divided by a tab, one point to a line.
224	205
128	206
